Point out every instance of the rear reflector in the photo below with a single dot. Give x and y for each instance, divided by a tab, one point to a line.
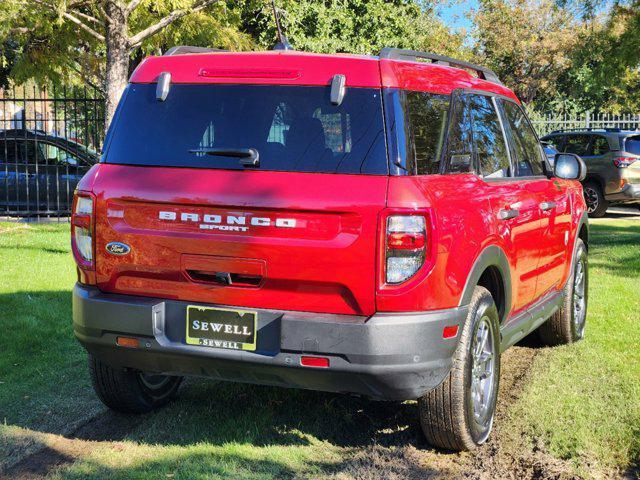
127	342
319	362
450	331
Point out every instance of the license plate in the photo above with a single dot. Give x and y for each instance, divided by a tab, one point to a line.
221	328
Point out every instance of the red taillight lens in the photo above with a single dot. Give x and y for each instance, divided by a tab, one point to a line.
82	238
406	242
624	162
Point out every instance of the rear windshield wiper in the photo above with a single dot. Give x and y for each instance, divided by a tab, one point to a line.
249	157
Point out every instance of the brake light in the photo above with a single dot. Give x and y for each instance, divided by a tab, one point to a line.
406	242
624	162
82	238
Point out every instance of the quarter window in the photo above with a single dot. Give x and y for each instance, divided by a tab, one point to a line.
528	153
488	140
427	117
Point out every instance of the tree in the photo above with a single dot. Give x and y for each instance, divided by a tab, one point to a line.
96	39
528	43
353	26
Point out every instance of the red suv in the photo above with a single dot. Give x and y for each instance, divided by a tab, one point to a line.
383	226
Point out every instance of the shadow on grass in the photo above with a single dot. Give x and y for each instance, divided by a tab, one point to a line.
37	248
56	394
220	413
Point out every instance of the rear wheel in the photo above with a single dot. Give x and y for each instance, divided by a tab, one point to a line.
458	414
594	198
130	391
568	323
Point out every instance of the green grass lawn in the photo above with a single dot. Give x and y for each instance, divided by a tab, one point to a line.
582	402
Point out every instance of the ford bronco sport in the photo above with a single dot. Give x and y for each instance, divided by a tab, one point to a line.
381	226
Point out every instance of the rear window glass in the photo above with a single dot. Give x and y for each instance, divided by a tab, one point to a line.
292	128
632	145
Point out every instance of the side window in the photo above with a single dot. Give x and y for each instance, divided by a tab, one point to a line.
599	145
578	144
459	153
54	155
9	152
427	115
488	140
529	156
18	151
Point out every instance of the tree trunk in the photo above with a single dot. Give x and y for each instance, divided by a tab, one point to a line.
118	51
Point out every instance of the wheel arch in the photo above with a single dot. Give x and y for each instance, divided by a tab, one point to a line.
597	179
491	270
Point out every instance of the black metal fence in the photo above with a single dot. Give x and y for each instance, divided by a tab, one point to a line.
48	141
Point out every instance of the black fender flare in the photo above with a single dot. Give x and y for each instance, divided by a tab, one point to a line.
491	256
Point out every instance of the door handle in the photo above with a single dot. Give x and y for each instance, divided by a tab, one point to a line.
547	206
507	213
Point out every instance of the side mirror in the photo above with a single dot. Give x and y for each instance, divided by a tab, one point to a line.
569	166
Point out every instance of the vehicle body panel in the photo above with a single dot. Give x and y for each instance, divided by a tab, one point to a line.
325	263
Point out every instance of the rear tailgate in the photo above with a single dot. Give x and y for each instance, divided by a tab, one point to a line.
284	240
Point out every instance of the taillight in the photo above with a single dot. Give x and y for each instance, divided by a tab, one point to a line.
624	162
406	243
82	230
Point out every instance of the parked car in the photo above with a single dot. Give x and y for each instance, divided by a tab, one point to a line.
613	167
381	226
40	171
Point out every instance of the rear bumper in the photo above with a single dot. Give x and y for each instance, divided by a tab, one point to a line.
629	194
387	356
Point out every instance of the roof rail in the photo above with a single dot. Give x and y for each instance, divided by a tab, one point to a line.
184	49
415	56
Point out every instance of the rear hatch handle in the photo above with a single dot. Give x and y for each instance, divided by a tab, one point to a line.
249	157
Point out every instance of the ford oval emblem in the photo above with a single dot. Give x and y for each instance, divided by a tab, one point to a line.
118	248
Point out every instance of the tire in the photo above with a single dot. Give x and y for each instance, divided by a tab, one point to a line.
594	198
130	391
567	325
449	417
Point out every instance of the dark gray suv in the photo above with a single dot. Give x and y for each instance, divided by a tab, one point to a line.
613	164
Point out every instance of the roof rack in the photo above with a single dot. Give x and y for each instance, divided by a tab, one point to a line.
415	56
185	49
589	129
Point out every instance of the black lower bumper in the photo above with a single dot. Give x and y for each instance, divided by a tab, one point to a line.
386	356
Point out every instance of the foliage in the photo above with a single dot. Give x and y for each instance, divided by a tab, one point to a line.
605	73
353	26
527	42
42	44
